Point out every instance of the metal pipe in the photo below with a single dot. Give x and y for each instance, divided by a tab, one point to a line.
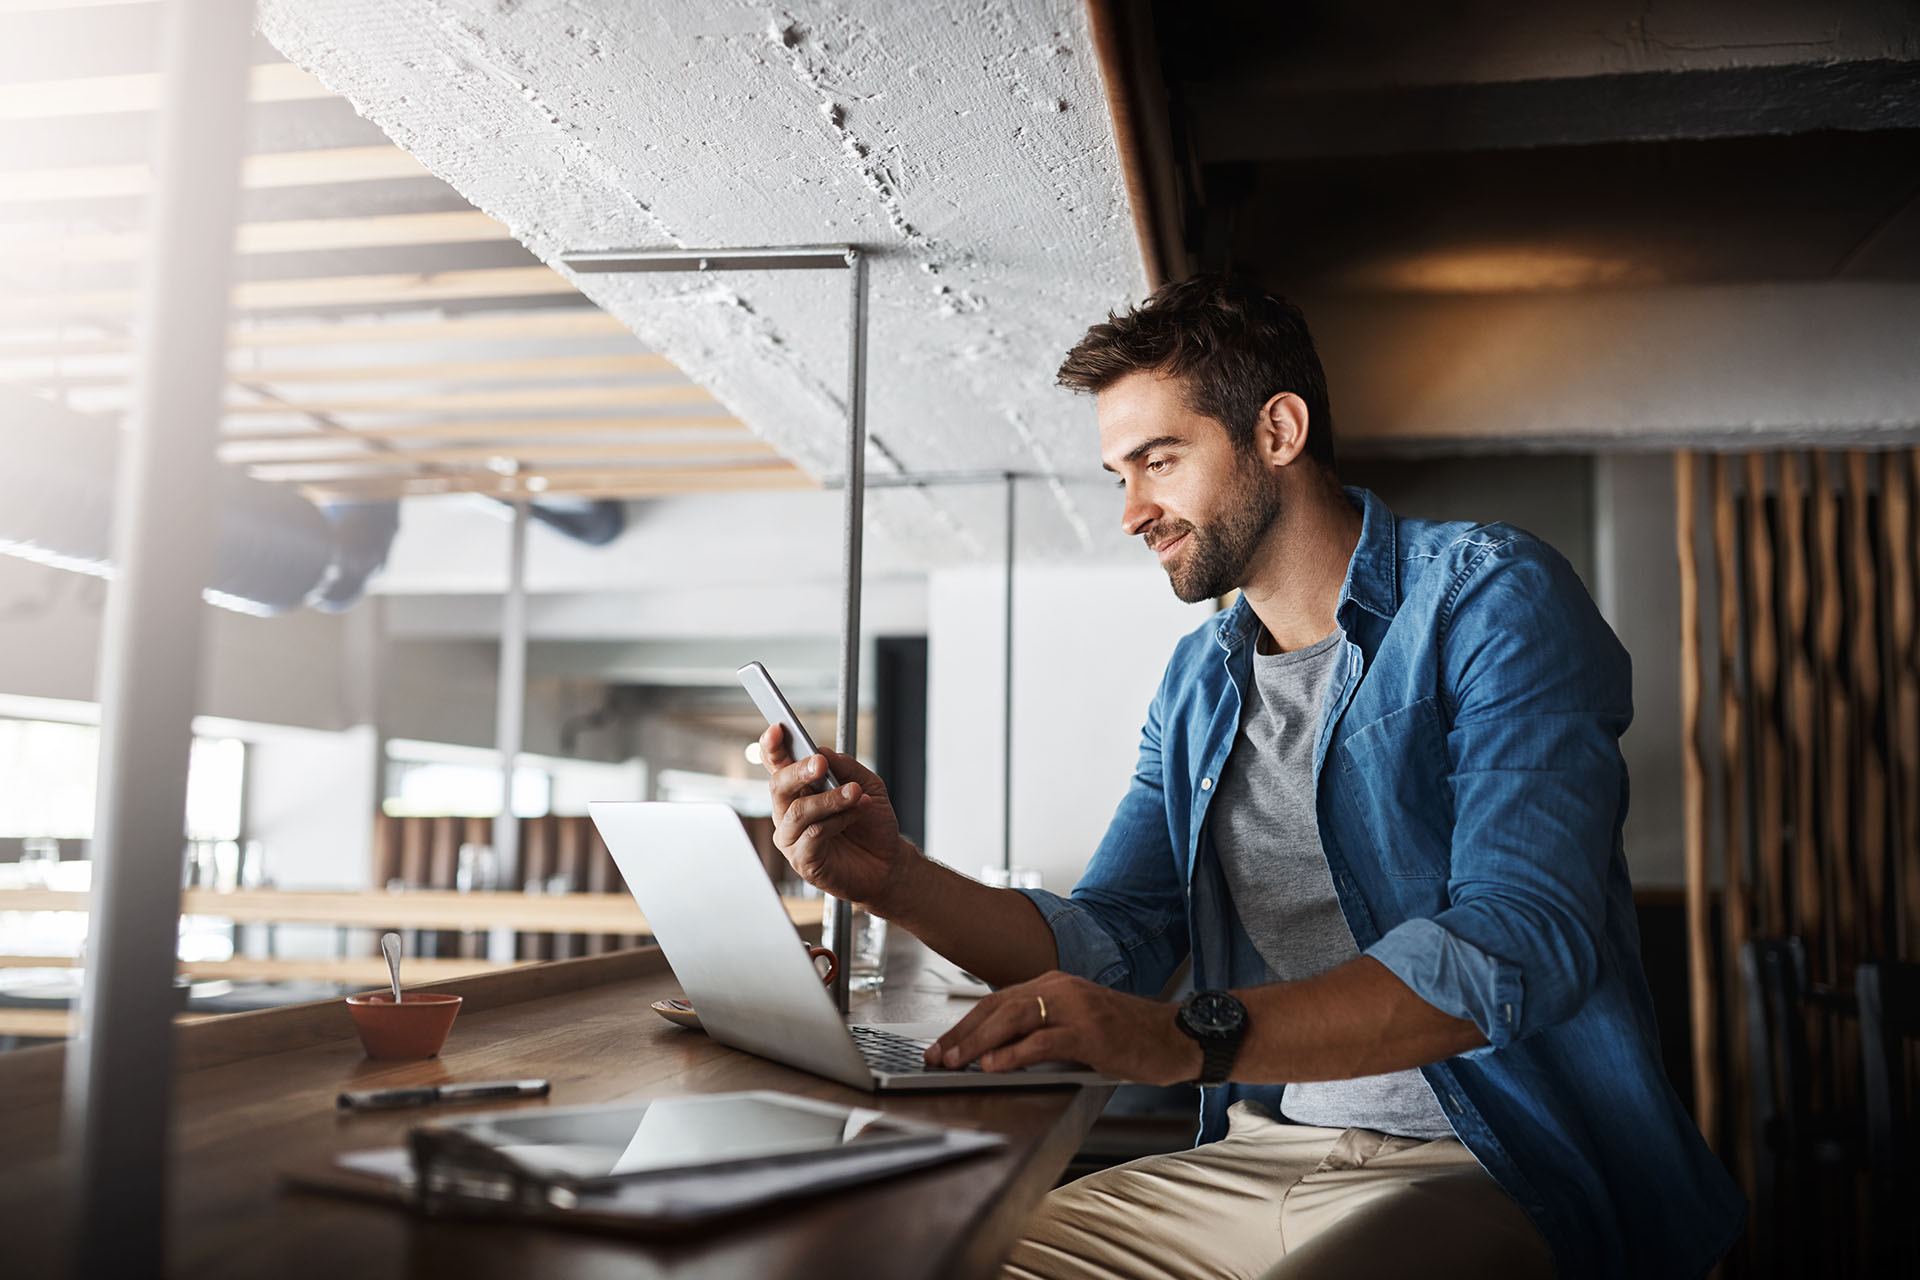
510	715
119	1075
852	480
934	479
853	523
1006	700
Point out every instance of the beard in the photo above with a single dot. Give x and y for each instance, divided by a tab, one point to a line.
1219	551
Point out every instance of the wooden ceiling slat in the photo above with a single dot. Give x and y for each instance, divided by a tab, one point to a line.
320	291
303	235
484	427
482	401
574	322
571	323
525	369
40	6
650	482
529	456
322	166
105	95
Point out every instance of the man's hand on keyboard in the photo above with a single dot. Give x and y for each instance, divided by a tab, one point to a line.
1060	1017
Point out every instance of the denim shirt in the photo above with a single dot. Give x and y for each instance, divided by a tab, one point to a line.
1470	794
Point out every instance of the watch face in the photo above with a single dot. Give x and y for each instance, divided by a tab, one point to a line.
1214	1012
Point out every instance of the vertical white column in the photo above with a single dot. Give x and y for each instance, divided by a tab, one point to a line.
510	717
119	1083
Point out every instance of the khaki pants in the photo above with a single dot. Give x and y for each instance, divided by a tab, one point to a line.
1285	1202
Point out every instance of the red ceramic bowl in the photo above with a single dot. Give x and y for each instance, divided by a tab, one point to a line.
414	1028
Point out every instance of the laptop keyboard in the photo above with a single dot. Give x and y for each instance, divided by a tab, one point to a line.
893	1053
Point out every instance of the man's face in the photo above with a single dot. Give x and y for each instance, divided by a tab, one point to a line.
1199	503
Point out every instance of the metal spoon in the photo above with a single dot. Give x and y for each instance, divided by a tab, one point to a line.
390	948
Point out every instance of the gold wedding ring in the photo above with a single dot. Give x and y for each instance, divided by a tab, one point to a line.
1043	1009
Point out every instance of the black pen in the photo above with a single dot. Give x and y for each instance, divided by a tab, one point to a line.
385	1099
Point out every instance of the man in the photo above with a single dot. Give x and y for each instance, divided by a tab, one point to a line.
1378	805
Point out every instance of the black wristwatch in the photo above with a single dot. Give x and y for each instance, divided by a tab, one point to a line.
1219	1023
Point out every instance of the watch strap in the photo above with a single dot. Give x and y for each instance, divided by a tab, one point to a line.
1216	1059
1218	1049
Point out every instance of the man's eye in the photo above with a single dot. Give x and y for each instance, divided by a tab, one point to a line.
1159	464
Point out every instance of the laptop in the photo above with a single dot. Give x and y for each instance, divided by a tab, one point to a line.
708	901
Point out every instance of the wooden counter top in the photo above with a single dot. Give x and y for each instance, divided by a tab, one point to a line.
255	1096
410	908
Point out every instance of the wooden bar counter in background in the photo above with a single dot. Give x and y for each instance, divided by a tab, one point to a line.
411	908
255	1096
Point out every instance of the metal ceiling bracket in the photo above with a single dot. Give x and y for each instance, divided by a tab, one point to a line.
818	257
1006	695
798	257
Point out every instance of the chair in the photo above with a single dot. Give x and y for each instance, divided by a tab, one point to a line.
1889	1002
1790	1138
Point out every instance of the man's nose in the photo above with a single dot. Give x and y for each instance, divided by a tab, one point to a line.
1138	514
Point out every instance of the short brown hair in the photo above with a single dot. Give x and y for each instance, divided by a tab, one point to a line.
1232	344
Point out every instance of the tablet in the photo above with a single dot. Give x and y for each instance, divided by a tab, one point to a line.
581	1147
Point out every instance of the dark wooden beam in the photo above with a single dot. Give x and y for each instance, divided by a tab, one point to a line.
1255	123
1136	95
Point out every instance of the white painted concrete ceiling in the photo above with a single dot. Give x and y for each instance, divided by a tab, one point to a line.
966	144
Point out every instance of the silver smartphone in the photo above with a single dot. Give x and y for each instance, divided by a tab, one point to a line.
766	695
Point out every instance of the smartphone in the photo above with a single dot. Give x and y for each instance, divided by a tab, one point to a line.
766	695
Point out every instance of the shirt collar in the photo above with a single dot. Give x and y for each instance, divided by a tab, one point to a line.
1373	575
1372	580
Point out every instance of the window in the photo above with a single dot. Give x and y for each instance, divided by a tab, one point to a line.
435	787
49	773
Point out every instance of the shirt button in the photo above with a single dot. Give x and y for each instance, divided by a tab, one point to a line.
1206	784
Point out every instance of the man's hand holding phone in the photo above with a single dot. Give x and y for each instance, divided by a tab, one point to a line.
845	841
834	824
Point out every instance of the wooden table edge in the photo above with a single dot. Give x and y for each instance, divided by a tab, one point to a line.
28	1075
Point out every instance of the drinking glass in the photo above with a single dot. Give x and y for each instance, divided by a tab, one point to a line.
1010	877
477	870
867	956
37	854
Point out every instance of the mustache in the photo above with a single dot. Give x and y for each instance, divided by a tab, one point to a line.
1160	535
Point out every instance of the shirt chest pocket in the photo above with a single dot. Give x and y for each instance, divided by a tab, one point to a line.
1392	781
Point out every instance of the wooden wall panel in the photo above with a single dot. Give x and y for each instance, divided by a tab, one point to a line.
1732	641
1770	907
1700	966
1815	640
1801	701
1869	775
1837	953
1903	574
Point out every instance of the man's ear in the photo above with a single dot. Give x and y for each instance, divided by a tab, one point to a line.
1280	435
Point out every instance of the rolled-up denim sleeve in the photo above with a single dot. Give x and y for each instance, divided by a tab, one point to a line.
1125	924
1539	693
1084	948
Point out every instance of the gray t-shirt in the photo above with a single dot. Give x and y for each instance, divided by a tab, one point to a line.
1266	832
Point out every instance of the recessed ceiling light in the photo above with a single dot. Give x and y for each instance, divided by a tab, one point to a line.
1500	269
